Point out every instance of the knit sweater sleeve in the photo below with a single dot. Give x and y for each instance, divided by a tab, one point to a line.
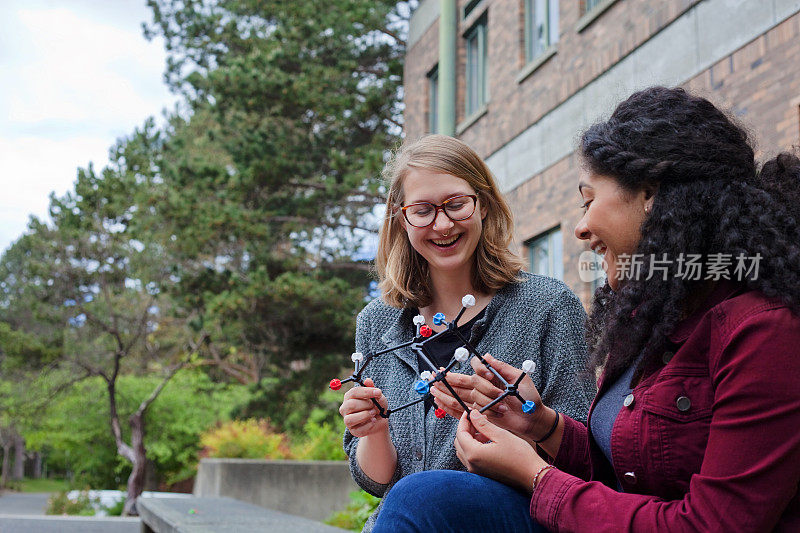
350	442
565	385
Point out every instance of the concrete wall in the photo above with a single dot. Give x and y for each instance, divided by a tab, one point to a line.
313	489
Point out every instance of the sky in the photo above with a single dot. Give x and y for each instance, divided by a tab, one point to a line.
75	75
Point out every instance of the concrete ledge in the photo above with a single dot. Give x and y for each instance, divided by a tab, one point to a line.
537	62
67	524
591	15
312	489
218	515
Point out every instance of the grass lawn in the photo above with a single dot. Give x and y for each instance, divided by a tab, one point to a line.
43	485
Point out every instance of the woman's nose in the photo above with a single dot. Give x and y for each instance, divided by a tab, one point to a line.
582	230
441	221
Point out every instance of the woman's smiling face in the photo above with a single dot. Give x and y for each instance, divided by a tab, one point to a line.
612	219
445	244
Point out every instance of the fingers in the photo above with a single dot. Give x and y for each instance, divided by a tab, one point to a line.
360	399
360	414
476	381
447	402
466	445
362	393
484	426
367	428
508	372
481	369
474	390
377	393
359	418
464	430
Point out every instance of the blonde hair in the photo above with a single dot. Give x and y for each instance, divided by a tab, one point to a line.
404	279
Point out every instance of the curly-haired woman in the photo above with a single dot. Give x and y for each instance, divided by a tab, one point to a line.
446	233
695	426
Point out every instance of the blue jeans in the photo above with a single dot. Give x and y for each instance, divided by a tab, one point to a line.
441	501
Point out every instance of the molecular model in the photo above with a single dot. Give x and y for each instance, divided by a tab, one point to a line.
425	335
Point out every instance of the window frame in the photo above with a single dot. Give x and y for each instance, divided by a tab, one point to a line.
552	243
589	5
473	103
433	99
551	25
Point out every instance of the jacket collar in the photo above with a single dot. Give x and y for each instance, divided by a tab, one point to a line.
724	290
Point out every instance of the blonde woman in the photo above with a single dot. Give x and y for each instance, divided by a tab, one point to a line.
446	233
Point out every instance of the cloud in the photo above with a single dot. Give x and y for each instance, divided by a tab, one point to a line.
72	80
79	71
32	168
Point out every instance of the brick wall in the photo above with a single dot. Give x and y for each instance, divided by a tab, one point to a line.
420	59
513	106
758	83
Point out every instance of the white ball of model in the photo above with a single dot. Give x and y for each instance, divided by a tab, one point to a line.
461	354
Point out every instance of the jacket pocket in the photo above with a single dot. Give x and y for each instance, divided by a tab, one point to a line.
675	425
681	394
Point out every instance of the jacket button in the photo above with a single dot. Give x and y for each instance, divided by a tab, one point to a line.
418	454
667	357
683	403
628	401
630	477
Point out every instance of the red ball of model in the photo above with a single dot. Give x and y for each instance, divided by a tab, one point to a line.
425	331
440	413
336	384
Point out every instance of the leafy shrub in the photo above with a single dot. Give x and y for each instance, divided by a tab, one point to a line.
116	508
74	432
356	513
61	504
321	440
245	439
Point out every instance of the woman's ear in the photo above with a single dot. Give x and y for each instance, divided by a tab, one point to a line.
649	197
397	213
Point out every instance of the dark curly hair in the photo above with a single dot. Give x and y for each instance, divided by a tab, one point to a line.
781	177
710	199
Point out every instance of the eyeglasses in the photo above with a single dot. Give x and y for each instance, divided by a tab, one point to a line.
422	214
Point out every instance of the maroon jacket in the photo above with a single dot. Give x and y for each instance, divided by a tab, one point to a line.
709	442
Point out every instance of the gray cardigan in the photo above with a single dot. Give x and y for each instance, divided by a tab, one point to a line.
538	318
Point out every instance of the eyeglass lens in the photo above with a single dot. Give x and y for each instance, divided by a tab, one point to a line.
456	208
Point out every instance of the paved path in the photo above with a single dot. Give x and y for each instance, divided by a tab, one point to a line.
27	503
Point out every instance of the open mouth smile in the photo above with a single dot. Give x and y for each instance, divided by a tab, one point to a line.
446	243
600	249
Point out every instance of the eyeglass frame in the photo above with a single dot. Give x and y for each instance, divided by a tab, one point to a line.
441	206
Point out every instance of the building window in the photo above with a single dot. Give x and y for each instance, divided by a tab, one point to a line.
541	27
588	5
477	83
470	7
433	100
546	254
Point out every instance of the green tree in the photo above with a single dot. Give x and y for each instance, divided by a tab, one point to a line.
271	178
305	98
93	279
74	428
